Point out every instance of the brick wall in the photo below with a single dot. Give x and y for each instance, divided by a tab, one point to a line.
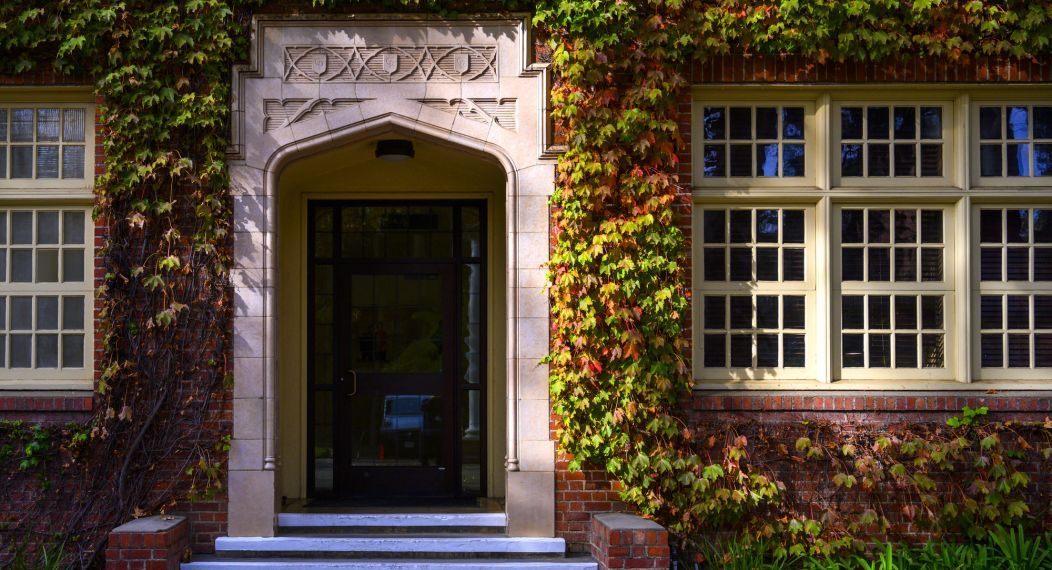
579	495
620	540
151	543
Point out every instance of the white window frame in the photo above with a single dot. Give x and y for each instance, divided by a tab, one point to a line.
891	181
53	194
811	166
805	288
974	142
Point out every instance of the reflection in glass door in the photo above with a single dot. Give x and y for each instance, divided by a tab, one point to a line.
397	349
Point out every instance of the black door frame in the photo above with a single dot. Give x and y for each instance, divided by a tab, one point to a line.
455	262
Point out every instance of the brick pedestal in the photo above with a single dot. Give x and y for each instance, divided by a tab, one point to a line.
622	540
150	543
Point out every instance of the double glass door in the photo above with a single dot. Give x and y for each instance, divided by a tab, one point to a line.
396	374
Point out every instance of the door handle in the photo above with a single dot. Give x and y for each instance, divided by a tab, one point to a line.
354	380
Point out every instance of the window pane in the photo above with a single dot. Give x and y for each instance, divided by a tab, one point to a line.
877	127
933	350
793	355
715	160
879	350
3	162
741	160
47	351
72	351
931	264
905	160
879	264
851	226
73	125
1018	159
905	226
1018	264
1042	264
793	123
47	266
931	122
852	264
3	134
854	354
1018	351
879	312
1018	123
72	227
21	227
741	123
931	160
715	351
1018	226
73	266
879	161
766	350
931	312
905	123
851	123
990	123
931	226
21	313
1043	160
741	226
1018	312
741	312
47	161
73	313
793	226
1043	311
1043	122
766	123
47	124
767	264
906	350
766	311
21	162
714	123
853	312
990	160
741	350
851	160
22	125
990	226
990	264
992	350
794	311
715	262
715	226
792	160
73	162
767	226
21	350
47	227
21	265
47	313
905	264
767	160
793	264
1043	350
990	312
905	312
715	312
741	264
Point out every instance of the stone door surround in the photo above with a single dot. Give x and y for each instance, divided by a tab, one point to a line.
315	84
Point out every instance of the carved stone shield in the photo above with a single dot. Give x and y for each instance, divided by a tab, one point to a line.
461	63
390	62
319	62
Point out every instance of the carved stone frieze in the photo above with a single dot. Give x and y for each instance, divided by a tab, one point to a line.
390	64
490	111
280	113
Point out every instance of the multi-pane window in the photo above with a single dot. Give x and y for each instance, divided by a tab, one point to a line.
45	290
1015	288
1015	140
895	294
900	141
757	285
42	142
748	141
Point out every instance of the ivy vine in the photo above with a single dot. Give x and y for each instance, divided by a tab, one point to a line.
619	304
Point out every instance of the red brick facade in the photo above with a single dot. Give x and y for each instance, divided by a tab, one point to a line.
152	543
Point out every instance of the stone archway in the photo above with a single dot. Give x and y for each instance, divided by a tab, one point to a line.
315	85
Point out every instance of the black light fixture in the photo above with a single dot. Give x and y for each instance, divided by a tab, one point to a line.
394	150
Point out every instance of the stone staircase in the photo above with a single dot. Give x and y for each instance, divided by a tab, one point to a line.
399	541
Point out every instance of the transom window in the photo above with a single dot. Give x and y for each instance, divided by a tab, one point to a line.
1015	140
39	143
754	141
901	141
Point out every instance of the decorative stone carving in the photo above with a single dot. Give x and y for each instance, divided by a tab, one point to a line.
284	112
390	64
489	111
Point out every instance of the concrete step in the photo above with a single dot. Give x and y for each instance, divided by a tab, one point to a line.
409	546
213	563
384	523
